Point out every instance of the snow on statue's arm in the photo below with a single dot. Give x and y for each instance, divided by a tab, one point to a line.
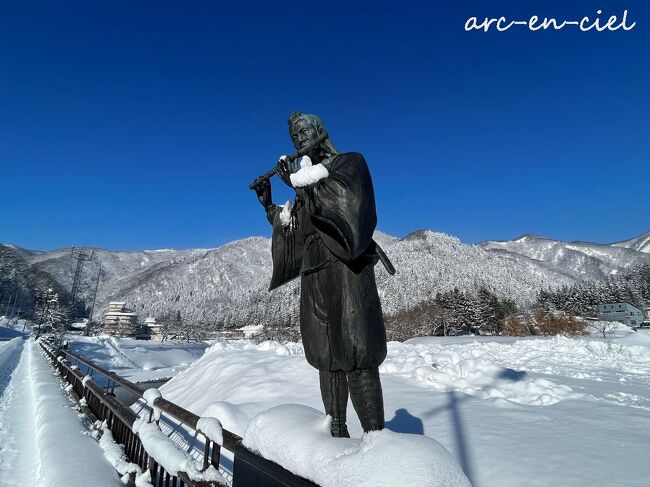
342	206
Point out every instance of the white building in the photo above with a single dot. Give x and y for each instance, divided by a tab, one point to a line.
622	312
119	320
153	326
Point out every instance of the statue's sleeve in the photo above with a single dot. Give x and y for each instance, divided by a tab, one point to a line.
286	250
342	207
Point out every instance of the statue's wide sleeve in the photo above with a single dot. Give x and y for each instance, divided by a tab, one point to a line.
286	251
342	207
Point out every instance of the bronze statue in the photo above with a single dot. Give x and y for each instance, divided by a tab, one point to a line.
326	238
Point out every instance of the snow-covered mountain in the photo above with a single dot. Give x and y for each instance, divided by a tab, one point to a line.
640	243
228	285
19	281
580	260
118	268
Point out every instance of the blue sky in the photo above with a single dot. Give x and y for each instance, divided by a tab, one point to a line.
130	125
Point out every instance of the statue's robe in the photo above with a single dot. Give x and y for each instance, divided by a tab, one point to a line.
329	244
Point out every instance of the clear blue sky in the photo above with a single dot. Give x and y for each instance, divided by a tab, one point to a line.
140	124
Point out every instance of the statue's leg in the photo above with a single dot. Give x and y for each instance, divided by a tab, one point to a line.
367	399
334	391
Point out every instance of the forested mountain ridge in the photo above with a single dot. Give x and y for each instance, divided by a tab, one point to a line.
581	260
227	286
24	289
640	243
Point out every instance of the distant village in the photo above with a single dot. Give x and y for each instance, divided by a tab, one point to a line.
122	321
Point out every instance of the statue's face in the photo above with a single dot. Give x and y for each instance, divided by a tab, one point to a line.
302	133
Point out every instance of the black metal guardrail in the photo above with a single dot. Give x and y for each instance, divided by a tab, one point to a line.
249	469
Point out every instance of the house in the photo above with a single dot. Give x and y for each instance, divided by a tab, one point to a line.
622	312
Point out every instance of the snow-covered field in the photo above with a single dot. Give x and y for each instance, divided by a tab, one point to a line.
511	411
138	360
533	411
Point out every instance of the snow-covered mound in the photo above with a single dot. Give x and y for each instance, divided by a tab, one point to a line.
575	358
298	438
445	369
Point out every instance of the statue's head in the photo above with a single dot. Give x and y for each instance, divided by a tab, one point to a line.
304	128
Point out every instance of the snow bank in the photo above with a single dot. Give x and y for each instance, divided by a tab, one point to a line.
230	416
608	329
7	332
298	438
572	357
8	348
251	330
450	370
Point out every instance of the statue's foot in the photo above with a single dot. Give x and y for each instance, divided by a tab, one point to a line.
339	429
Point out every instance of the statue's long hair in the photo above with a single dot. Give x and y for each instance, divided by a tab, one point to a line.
328	151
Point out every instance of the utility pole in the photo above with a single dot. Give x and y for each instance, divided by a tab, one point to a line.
45	308
14	306
7	308
92	308
81	256
24	320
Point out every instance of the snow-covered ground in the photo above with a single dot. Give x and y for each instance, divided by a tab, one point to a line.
43	441
511	411
533	411
138	360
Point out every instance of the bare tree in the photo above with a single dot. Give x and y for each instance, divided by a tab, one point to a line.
606	329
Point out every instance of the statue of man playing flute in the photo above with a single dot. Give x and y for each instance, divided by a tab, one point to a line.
325	237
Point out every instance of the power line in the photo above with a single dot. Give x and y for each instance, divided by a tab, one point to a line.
81	256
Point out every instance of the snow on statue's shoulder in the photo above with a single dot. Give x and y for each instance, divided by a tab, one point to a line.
298	438
308	174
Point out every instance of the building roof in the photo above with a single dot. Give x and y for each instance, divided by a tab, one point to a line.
120	313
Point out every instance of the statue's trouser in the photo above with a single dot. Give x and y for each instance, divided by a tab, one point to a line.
364	389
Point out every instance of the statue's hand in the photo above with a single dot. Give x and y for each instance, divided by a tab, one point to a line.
284	170
263	191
